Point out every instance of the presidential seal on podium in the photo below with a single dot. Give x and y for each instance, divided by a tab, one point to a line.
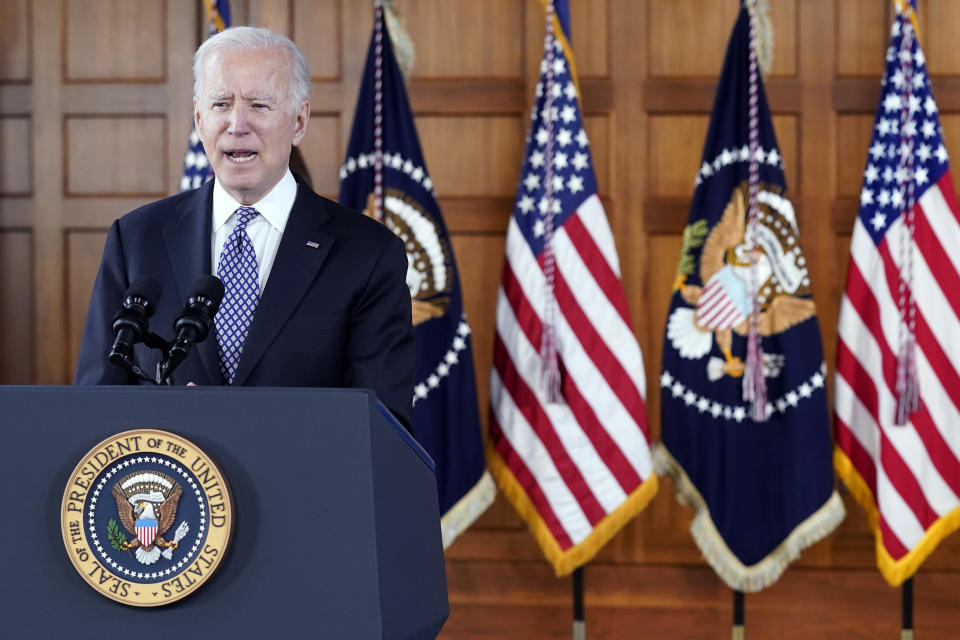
146	517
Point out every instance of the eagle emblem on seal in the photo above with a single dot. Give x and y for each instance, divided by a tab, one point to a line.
722	306
147	508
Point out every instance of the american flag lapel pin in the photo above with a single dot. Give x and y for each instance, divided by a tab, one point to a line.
312	244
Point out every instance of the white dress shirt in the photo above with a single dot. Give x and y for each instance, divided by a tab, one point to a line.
265	230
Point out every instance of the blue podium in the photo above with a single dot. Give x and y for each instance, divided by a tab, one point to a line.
336	531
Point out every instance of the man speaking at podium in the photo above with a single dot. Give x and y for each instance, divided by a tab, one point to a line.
315	293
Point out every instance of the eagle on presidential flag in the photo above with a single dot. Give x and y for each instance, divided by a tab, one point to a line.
745	428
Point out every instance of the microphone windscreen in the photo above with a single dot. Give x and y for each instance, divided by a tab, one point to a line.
209	287
146	287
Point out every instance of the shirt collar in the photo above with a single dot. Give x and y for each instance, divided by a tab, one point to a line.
274	207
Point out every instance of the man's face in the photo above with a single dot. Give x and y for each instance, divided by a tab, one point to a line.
245	120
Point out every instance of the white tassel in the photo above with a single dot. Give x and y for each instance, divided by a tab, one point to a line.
402	43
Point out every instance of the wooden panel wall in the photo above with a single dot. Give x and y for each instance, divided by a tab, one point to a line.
95	111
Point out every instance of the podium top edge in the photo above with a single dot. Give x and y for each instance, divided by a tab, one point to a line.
191	389
263	390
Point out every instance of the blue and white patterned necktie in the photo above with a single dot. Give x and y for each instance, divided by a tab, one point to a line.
241	282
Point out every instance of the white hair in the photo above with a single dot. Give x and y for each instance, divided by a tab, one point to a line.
255	39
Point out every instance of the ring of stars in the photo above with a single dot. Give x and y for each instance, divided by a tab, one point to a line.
729	157
450	359
393	161
788	401
116	470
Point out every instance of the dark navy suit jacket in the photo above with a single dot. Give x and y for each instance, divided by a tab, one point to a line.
334	315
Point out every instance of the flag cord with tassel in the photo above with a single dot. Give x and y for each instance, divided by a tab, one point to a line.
378	113
548	341
754	383
907	387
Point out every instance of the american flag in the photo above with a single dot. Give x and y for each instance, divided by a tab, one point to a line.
196	167
579	468
763	489
899	319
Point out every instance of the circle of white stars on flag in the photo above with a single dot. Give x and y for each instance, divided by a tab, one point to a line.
422	389
738	412
392	161
732	156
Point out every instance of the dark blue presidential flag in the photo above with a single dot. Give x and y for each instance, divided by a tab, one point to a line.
385	176
756	468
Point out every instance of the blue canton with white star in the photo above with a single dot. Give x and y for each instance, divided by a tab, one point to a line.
573	177
883	197
196	166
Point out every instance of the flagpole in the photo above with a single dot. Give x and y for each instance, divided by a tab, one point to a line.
906	630
739	630
579	622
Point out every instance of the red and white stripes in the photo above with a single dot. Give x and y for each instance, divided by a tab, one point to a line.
580	460
912	471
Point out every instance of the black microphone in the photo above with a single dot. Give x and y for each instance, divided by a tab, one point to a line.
130	322
193	324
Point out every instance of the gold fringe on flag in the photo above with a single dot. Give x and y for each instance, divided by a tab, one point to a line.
565	562
715	551
895	572
465	512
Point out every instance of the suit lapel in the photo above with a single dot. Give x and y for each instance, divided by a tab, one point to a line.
188	246
293	271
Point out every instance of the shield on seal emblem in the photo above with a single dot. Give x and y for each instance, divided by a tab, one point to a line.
146	531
